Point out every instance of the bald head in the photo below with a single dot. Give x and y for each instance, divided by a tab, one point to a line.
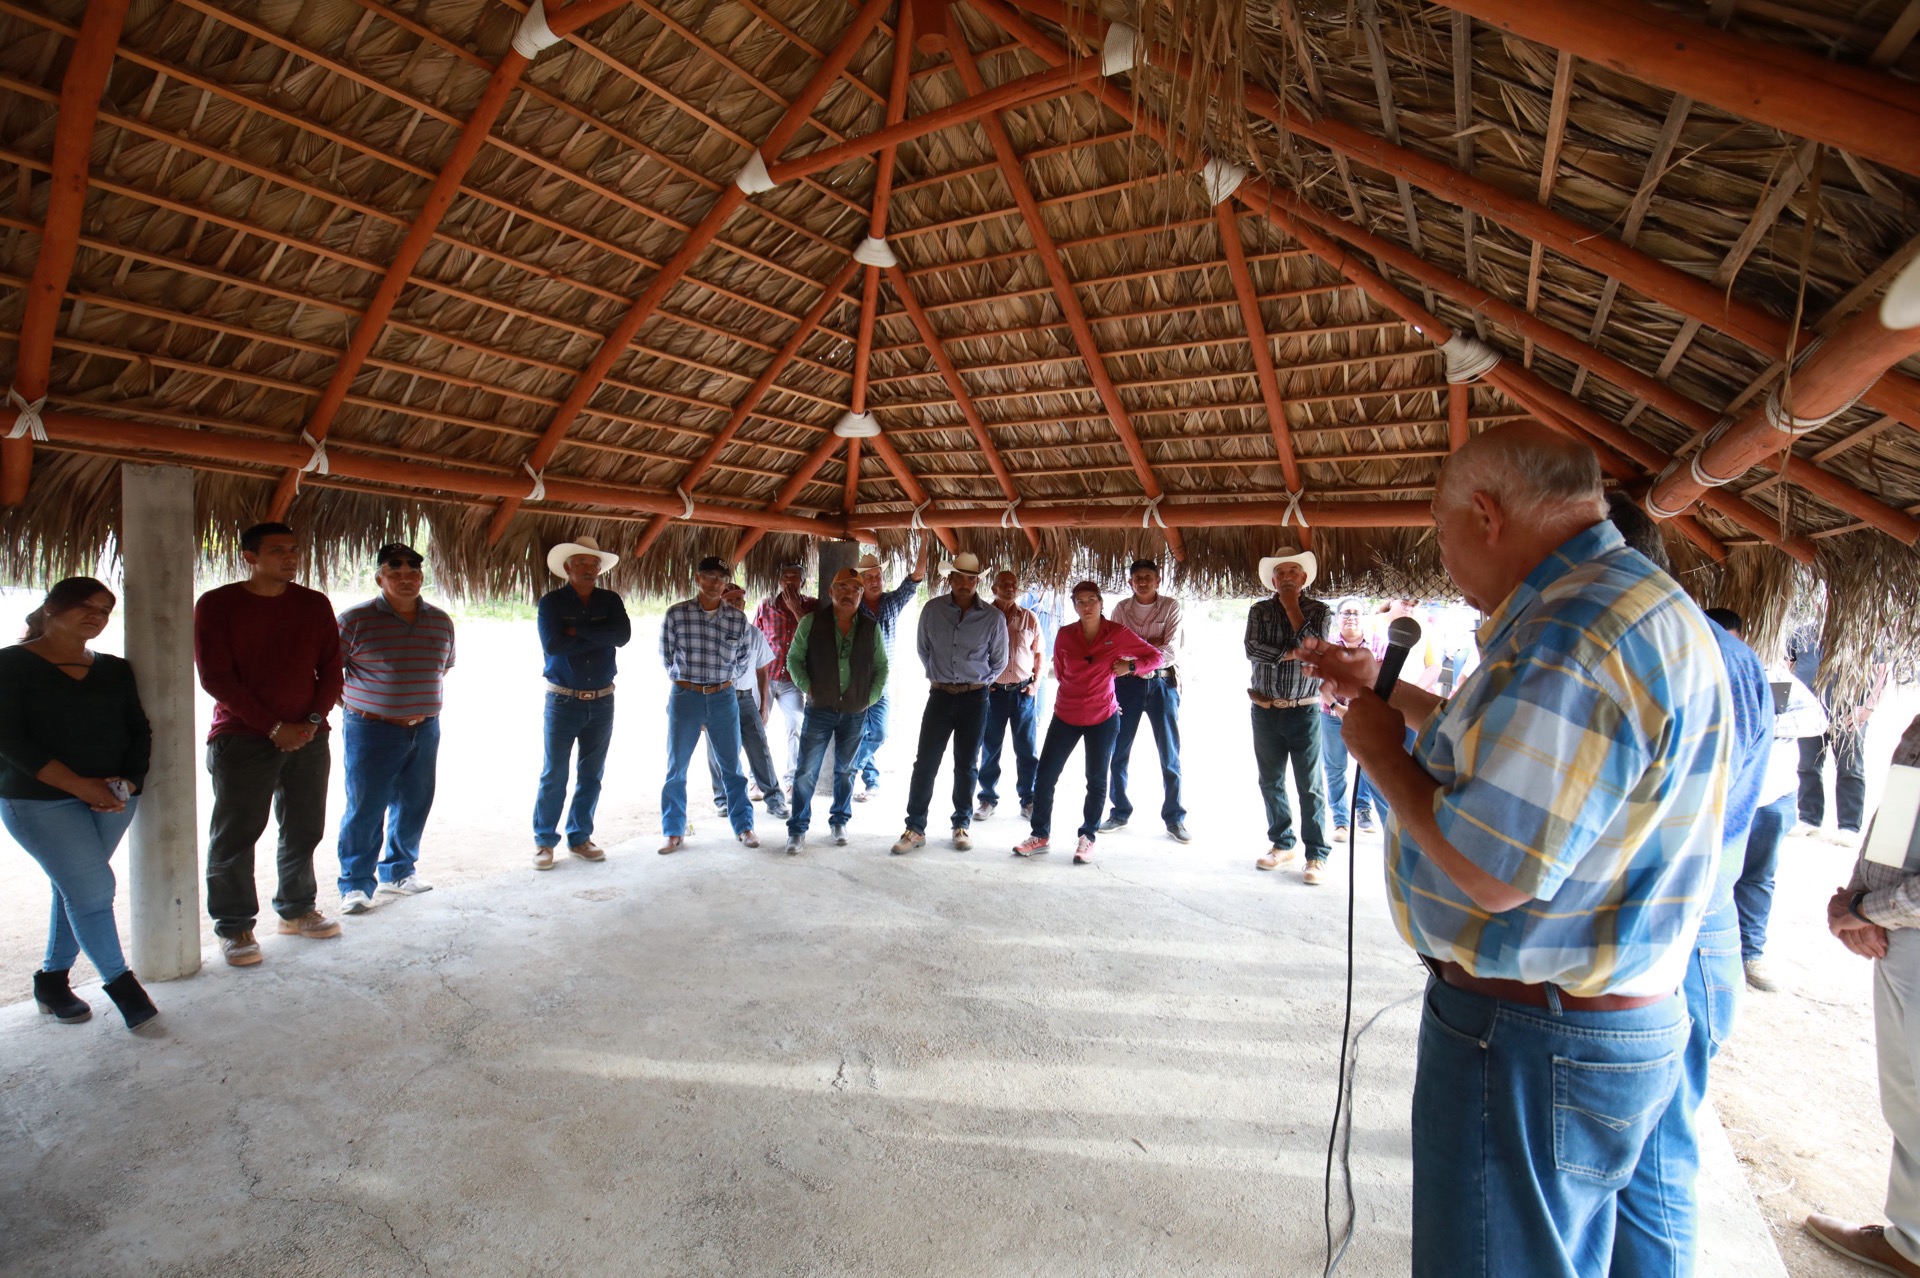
1538	476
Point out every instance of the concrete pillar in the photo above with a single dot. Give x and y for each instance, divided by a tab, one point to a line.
159	544
835	555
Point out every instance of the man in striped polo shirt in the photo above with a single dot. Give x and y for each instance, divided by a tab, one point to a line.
398	649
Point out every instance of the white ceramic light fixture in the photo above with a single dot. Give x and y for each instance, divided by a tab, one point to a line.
856	426
1468	358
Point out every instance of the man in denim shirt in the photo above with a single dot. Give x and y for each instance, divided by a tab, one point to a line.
580	626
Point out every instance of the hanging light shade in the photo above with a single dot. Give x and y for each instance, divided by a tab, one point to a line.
856	426
1468	358
1900	308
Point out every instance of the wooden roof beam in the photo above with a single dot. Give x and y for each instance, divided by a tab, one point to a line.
795	483
1257	338
730	199
81	89
1320	514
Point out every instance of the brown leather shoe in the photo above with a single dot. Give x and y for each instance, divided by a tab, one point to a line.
241	950
313	925
673	844
588	851
1865	1243
1276	857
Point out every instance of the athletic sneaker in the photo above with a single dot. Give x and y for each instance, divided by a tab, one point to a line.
794	843
412	885
355	903
839	833
985	811
1083	851
1033	846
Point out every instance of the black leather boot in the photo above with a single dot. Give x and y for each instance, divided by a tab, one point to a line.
132	1001
54	996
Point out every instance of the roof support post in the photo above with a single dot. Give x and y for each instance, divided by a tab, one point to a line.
80	92
731	197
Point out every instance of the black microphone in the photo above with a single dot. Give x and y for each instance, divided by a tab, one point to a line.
1401	636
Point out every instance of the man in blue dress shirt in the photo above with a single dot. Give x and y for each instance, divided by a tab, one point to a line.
580	626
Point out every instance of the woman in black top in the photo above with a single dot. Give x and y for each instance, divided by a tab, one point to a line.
74	746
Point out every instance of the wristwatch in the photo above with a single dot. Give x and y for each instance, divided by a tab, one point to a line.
1853	905
1133	667
316	719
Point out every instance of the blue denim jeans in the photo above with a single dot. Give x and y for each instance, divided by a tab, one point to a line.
570	722
1280	737
1333	750
961	716
872	738
753	740
390	775
1657	1223
1061	738
846	732
1753	891
718	713
74	845
1527	1125
1016	710
1158	702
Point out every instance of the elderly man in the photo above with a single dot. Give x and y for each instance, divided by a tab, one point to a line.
884	607
839	663
963	645
705	648
1286	711
1152	695
1011	702
754	692
777	618
1550	852
581	624
398	649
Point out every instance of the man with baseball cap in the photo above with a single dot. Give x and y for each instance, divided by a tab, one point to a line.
705	648
777	618
580	626
398	649
885	607
963	645
755	696
1286	710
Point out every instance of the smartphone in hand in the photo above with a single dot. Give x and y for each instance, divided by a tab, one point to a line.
122	789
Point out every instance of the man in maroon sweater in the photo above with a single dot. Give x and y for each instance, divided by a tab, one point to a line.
269	654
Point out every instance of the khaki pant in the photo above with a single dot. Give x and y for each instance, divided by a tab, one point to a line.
1896	1023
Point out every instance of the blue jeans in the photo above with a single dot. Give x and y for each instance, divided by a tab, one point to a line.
1283	736
590	725
1062	737
1016	710
753	739
1333	749
872	738
1526	1125
846	732
1753	891
390	775
688	712
961	716
74	845
1158	702
1657	1222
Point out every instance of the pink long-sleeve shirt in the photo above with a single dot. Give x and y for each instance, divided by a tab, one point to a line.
1085	670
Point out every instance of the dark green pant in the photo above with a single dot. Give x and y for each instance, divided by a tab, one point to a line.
253	778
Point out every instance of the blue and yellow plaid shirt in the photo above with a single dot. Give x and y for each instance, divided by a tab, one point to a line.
1585	763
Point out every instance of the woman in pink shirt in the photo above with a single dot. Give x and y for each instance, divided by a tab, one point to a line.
1086	657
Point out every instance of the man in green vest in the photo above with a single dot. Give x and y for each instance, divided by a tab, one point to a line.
839	665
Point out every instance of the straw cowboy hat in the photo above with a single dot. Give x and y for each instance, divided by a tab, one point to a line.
966	561
1308	564
868	560
558	556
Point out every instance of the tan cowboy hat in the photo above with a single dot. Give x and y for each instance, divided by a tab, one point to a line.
1308	564
558	556
966	561
868	560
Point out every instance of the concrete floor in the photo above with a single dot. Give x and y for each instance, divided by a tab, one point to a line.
730	1062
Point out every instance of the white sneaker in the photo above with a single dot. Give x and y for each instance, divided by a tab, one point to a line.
985	811
412	885
795	842
839	833
355	903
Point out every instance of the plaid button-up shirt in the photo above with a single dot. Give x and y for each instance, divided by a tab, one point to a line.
1893	895
1585	762
778	624
886	611
1271	636
704	647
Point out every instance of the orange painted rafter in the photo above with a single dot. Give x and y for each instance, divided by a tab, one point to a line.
80	92
1459	401
1257	339
1068	300
791	489
730	199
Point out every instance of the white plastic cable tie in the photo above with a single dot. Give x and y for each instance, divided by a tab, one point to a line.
753	177
28	423
688	512
316	464
1782	420
539	478
875	252
533	35
1293	510
1152	512
1221	179
1121	50
1009	518
1705	478
916	524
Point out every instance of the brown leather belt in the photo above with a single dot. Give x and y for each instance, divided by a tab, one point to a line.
414	722
1535	995
708	688
1266	704
578	695
956	687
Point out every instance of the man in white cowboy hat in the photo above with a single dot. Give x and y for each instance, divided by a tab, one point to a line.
963	645
1286	710
884	608
580	626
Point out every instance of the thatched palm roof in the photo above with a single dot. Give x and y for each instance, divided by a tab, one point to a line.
373	222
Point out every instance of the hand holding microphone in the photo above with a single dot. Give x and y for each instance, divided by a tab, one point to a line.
1372	726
